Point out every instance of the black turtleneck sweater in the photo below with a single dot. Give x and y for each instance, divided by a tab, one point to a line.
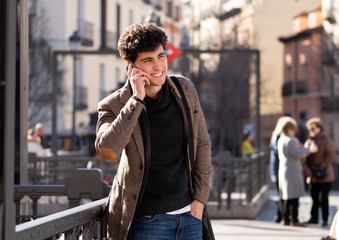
167	186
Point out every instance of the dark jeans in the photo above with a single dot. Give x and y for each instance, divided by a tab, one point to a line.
166	227
319	194
291	209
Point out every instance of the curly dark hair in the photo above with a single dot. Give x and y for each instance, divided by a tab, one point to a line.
140	37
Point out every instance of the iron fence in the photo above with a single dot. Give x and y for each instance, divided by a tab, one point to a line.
240	177
84	221
56	170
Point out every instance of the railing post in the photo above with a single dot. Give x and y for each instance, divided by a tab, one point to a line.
35	206
85	183
249	191
230	179
221	173
17	200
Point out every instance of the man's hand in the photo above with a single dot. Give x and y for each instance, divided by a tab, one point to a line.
138	80
197	209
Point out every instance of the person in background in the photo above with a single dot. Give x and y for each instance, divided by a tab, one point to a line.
40	131
291	180
323	159
247	148
33	145
274	162
334	230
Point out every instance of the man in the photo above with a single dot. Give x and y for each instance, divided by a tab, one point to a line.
153	194
323	159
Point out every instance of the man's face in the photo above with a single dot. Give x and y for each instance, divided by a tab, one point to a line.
155	65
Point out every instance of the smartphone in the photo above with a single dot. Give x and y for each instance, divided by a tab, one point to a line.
131	63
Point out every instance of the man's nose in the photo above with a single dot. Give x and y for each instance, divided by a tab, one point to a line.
157	64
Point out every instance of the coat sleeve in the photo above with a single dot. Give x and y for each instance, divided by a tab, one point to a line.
295	151
114	131
329	153
202	164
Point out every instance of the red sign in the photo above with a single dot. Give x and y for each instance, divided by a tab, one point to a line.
172	52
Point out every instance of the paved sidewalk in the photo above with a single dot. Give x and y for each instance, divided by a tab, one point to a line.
264	228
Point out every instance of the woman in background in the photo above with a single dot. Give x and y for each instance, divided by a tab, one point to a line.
291	180
274	161
323	159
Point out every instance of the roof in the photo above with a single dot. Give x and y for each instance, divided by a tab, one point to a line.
305	14
305	33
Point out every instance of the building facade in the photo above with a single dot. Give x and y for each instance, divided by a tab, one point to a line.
245	25
304	83
330	114
99	25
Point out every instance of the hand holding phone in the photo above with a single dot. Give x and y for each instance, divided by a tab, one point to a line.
138	79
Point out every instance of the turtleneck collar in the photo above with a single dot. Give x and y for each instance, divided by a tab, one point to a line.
161	102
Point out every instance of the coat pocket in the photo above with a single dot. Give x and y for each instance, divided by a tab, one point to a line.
114	205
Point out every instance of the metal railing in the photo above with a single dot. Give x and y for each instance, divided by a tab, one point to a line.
111	40
82	184
56	170
287	89
82	221
236	176
86	32
78	221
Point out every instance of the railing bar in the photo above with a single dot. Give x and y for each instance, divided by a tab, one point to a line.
38	190
52	225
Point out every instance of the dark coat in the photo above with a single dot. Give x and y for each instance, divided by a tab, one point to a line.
324	158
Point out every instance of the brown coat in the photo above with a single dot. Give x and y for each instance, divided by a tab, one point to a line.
118	129
324	157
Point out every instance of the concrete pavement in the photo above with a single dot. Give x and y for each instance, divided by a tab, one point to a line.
264	228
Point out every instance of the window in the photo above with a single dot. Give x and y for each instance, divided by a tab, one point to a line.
289	74
169	8
131	17
31	7
176	11
296	25
312	20
102	87
118	21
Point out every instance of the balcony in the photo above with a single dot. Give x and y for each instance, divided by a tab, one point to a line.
287	89
157	4
330	104
86	33
81	98
209	12
32	7
111	40
302	87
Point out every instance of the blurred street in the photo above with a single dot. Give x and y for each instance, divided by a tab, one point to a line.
264	228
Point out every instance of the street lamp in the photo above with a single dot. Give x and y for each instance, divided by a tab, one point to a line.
74	41
154	18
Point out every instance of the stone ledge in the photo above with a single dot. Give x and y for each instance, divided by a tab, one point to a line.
240	211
